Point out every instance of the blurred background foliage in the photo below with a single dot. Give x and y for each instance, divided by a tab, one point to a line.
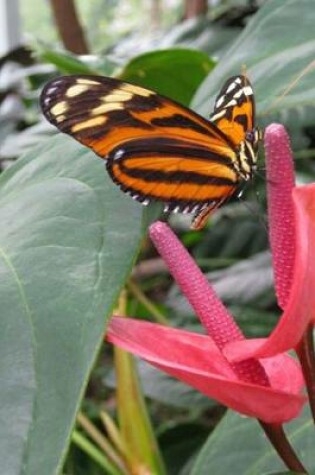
169	47
105	22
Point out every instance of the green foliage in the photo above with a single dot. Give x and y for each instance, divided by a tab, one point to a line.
65	62
203	34
105	22
179	444
239	446
65	255
275	48
161	70
68	63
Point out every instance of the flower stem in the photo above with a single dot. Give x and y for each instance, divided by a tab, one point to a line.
102	442
142	298
94	453
278	439
305	352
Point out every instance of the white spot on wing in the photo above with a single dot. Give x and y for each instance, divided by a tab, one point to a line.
76	90
219	101
59	108
118	154
51	90
186	210
247	91
231	103
218	115
231	87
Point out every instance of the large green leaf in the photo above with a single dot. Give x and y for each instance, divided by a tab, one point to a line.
68	240
238	445
175	72
275	47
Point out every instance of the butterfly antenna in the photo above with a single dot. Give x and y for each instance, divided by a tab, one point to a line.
290	86
253	208
260	172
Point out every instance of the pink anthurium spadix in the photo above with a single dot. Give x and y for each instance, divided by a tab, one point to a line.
291	219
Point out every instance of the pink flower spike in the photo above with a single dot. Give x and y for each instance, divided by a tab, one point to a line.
300	302
194	285
214	316
280	179
196	360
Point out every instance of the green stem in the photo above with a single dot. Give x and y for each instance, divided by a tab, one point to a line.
94	453
101	441
305	352
307	153
281	444
142	298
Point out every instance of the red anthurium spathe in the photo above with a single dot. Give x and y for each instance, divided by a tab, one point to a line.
291	212
197	361
268	389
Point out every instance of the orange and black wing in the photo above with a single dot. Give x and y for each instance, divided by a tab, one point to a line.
155	149
234	109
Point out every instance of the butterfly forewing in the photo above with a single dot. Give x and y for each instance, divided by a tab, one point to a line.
154	148
234	109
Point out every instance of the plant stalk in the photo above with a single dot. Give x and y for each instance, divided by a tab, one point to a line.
305	352
142	298
284	449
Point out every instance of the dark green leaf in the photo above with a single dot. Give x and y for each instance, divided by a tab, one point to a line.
238	445
176	73
282	473
68	240
179	443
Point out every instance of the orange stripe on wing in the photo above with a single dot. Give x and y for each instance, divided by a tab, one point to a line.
168	164
123	136
187	192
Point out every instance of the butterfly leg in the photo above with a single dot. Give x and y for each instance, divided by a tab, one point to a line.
201	218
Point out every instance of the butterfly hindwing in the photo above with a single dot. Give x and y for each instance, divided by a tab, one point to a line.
154	148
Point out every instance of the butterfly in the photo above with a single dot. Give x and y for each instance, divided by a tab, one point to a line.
155	148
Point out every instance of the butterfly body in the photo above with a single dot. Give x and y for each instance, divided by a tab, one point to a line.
156	149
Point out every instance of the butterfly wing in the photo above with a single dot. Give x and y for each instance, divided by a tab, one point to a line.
234	110
234	114
154	148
